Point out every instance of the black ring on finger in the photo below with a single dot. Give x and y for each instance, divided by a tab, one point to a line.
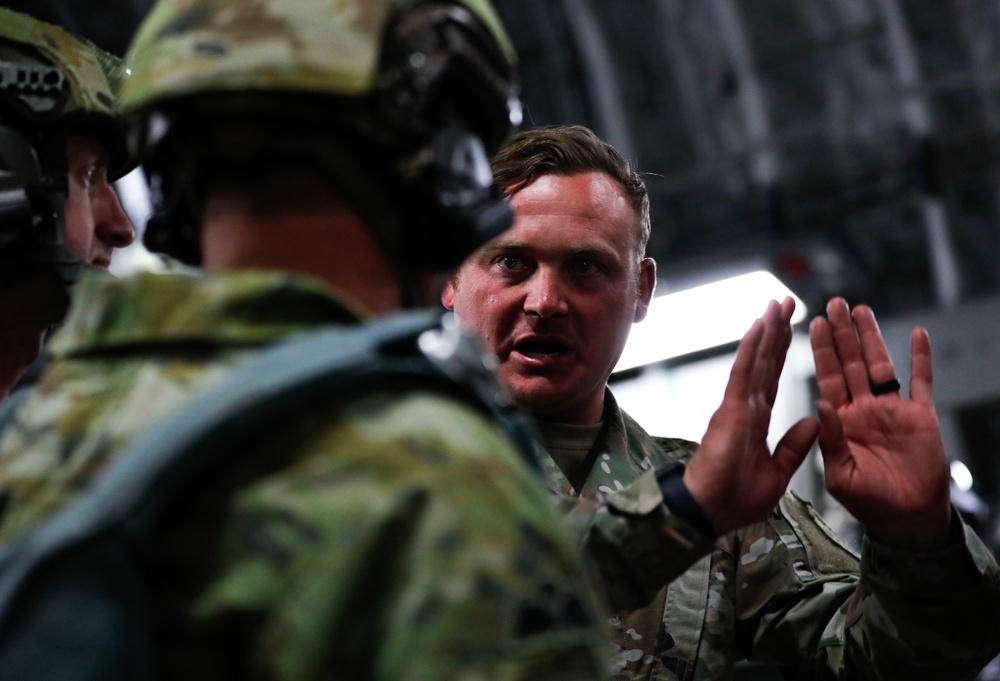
885	387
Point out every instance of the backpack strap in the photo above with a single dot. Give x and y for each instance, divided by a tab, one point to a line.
88	555
10	406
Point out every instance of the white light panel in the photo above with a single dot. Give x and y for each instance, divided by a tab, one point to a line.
703	317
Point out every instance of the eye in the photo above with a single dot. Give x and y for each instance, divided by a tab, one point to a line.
99	173
584	266
84	176
91	174
511	262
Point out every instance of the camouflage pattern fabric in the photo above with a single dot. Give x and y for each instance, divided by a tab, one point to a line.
186	47
94	76
400	537
785	591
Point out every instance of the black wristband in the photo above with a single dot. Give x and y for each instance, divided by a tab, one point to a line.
678	499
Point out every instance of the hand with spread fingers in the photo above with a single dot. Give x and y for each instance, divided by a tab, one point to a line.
733	476
883	454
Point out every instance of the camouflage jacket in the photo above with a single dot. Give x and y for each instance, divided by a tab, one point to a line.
400	538
786	591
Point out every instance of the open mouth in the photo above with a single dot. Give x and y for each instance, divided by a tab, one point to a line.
541	349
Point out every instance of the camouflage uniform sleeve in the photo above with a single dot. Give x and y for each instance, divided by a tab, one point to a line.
407	541
634	544
804	603
924	616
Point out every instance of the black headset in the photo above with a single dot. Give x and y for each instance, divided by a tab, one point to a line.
33	168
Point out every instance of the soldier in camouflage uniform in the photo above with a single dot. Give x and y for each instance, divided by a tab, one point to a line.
60	145
750	571
320	160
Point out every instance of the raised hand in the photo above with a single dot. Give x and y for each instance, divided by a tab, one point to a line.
883	454
733	475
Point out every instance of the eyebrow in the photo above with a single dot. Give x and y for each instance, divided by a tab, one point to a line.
575	251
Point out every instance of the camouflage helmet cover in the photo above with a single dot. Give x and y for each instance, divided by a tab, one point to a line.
93	77
425	91
190	46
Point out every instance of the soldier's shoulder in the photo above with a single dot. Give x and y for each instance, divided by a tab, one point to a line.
829	552
435	426
676	449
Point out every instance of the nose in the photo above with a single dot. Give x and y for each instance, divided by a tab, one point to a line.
112	224
545	296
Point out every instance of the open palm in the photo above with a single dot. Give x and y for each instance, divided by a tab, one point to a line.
884	456
733	475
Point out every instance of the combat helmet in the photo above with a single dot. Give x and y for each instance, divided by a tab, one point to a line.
51	83
401	101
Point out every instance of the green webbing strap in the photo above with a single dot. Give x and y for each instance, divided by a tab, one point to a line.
8	408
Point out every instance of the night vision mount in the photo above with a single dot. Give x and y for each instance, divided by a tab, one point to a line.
33	169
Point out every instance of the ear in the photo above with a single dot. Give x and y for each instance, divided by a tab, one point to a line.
448	294
647	284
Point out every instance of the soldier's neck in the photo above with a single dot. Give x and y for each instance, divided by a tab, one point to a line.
320	237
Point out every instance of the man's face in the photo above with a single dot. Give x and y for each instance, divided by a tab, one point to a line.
96	224
555	296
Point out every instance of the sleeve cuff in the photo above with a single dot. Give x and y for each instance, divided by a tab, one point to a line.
678	499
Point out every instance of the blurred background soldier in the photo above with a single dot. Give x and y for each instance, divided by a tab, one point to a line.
321	161
60	146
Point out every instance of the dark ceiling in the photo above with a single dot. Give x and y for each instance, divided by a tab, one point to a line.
851	143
